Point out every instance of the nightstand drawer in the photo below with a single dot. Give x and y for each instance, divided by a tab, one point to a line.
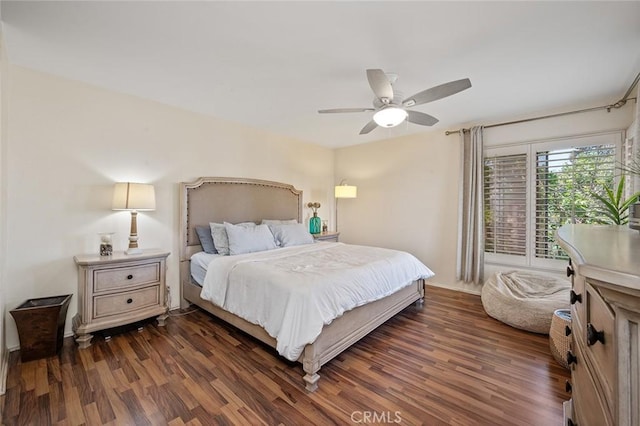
116	304
327	236
117	278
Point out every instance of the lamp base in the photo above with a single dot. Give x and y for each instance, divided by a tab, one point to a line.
133	251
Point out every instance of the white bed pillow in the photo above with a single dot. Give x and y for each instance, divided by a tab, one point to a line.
294	234
219	235
249	239
278	221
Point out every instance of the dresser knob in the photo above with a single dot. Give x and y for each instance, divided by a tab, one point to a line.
129	300
567	330
129	277
570	271
594	336
571	358
567	386
574	297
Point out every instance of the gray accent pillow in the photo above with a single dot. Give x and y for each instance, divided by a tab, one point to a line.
206	240
249	239
294	234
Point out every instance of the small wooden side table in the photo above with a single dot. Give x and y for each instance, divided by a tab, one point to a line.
119	289
327	236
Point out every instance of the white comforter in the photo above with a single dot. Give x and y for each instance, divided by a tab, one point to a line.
293	292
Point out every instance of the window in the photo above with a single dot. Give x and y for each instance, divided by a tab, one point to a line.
565	180
532	189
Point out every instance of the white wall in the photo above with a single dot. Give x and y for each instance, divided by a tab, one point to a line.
408	187
69	142
4	359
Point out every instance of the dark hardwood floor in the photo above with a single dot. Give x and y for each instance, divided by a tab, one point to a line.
444	363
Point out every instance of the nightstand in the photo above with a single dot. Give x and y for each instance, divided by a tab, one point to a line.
327	236
117	290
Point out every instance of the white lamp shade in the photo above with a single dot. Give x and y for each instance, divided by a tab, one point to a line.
346	191
133	196
390	117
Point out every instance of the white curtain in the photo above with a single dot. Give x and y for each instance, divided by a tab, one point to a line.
635	184
470	259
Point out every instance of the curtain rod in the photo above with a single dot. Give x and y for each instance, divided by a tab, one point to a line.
616	105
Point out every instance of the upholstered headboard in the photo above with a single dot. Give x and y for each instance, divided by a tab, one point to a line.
215	199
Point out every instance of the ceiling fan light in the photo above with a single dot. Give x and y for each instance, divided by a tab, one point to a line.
390	117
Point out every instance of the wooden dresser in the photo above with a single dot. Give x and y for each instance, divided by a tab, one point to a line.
117	290
605	327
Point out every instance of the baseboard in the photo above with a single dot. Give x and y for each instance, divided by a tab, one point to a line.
4	370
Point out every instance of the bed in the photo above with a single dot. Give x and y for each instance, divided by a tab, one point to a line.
237	200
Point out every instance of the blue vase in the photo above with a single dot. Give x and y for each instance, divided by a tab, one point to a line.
315	224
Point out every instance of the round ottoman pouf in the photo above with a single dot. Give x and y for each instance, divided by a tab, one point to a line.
558	338
525	300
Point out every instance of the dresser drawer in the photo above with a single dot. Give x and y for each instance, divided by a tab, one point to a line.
588	408
118	278
601	349
578	312
117	304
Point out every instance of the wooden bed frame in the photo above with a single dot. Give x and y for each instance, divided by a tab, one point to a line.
234	200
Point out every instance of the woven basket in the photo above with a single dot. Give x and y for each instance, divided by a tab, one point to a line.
558	340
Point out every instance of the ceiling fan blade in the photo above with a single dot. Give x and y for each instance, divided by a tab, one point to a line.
380	84
438	92
421	118
328	111
369	127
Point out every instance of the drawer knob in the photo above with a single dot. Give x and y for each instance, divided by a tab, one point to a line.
567	330
129	300
571	358
567	386
593	335
575	297
570	271
129	277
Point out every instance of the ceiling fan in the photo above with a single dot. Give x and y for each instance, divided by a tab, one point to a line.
391	109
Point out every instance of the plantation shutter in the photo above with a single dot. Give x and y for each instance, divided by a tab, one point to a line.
505	199
565	180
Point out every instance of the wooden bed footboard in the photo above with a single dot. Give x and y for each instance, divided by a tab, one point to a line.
336	337
353	325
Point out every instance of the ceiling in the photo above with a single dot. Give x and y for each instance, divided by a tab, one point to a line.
272	65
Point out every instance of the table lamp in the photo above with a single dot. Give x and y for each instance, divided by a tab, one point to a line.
133	197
